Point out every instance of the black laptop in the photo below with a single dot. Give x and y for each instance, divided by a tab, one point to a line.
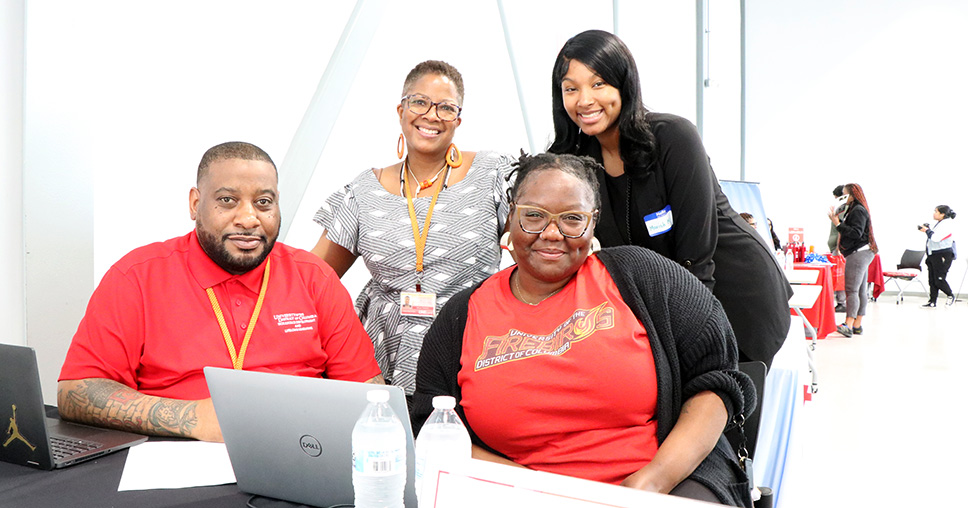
32	439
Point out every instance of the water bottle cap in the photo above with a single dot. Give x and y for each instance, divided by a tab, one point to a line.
377	396
444	402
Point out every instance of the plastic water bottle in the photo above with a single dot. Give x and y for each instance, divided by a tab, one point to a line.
379	455
788	265
442	442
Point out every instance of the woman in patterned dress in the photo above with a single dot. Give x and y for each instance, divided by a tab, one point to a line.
372	217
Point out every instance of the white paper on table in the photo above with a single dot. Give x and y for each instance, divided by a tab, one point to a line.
176	465
477	484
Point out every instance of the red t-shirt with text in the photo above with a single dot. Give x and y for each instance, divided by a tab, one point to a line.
567	386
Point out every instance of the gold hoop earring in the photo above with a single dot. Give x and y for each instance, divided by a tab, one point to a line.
450	156
506	242
400	146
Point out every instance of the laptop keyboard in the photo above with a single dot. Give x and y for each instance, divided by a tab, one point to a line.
65	447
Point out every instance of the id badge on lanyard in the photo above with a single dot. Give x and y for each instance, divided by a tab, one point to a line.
420	303
413	303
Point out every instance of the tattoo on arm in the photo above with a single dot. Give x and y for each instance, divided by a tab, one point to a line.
175	416
108	403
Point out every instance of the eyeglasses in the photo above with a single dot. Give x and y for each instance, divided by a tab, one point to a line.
571	224
420	104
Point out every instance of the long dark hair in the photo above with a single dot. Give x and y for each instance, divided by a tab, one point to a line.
608	57
854	190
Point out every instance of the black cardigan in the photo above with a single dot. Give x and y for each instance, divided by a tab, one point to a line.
693	346
708	237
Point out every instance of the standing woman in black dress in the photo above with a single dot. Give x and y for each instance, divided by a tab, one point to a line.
659	191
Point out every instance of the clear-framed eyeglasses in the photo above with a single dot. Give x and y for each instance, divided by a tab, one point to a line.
571	223
420	104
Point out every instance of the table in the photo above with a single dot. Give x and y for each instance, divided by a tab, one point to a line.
94	484
821	315
778	442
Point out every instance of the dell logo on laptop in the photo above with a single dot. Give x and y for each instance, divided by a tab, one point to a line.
310	446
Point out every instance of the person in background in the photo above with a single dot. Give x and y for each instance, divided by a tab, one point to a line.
427	226
840	205
776	239
858	246
167	310
615	366
659	191
940	249
748	217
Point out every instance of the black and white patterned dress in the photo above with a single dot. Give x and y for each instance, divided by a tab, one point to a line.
462	250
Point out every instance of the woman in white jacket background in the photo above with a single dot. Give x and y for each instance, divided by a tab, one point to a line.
941	253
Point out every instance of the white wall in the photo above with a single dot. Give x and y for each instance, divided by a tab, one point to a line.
122	98
871	92
11	160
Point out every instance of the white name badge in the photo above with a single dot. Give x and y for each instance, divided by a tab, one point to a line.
659	222
418	304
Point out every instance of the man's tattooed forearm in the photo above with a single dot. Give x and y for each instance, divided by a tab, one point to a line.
111	404
175	416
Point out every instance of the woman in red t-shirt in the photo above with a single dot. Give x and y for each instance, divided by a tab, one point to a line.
616	366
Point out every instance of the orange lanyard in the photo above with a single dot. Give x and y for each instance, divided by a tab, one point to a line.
238	359
420	239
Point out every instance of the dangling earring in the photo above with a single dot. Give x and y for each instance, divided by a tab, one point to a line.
596	246
400	145
506	242
451	150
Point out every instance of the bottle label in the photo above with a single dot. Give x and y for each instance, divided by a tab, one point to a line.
380	462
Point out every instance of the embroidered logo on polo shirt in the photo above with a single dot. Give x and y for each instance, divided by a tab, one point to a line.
295	321
518	345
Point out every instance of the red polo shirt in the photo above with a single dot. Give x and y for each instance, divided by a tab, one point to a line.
150	325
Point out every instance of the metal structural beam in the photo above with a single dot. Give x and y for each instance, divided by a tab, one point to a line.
310	139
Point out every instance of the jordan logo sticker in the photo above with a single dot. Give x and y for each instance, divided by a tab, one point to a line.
14	432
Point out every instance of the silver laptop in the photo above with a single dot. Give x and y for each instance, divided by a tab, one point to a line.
29	437
289	437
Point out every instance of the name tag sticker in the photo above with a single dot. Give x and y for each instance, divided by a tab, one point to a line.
659	222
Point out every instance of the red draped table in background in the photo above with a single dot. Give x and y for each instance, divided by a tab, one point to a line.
821	315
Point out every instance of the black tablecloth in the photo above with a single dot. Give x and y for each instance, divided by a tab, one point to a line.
95	484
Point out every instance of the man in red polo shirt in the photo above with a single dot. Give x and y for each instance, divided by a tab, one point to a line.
224	295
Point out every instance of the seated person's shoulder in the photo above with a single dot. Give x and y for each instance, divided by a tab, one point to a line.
308	265
157	252
647	266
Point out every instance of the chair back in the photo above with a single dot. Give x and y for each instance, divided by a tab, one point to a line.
911	259
757	372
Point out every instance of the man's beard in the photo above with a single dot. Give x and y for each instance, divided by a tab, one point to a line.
235	265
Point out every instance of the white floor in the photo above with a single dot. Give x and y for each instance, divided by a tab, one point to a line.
888	426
